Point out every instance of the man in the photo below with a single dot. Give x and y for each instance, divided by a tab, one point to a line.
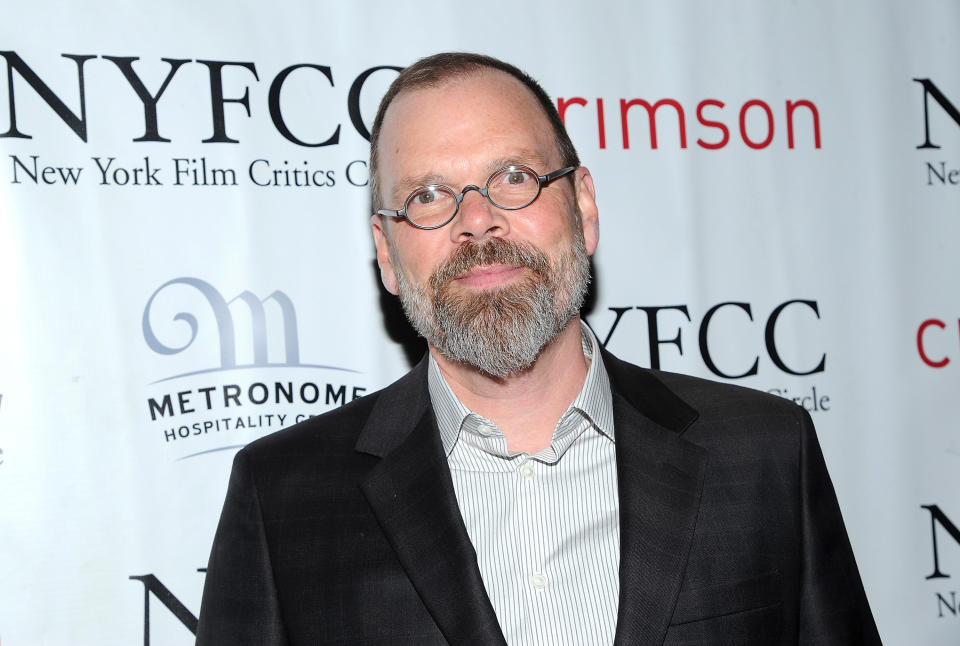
521	485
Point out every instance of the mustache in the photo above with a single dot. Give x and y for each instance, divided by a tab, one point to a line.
489	251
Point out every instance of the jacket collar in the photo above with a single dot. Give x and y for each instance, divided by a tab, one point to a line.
648	395
398	409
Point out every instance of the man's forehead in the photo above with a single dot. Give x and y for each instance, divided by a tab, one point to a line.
490	87
489	104
485	79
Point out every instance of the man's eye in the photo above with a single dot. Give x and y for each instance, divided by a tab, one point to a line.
517	177
427	197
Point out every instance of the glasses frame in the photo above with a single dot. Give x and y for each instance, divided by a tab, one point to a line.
542	180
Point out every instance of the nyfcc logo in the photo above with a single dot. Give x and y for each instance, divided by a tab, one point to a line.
945	549
731	337
940	171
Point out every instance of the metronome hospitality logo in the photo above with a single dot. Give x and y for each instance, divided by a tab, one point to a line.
241	394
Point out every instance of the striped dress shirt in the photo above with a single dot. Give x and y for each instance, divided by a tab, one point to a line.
545	526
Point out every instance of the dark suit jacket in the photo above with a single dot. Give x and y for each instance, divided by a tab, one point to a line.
345	529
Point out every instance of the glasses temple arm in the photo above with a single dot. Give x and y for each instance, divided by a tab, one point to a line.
549	177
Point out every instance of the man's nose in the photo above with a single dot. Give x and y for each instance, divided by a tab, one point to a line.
477	218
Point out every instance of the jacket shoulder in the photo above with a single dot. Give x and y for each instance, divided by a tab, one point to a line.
713	398
329	431
676	401
742	426
341	430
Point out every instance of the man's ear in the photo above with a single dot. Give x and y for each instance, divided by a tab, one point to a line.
589	214
382	241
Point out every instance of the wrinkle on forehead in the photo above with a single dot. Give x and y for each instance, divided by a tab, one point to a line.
511	94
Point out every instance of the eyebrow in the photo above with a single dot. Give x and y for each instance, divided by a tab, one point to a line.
411	182
531	158
534	159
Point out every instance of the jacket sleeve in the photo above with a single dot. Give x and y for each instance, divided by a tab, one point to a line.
240	604
833	605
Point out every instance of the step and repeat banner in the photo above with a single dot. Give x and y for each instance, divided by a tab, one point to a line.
186	262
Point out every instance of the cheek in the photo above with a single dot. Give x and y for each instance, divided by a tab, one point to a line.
419	256
551	230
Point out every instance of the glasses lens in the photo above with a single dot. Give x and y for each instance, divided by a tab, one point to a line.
430	206
513	187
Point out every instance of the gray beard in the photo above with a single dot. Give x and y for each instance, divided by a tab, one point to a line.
502	331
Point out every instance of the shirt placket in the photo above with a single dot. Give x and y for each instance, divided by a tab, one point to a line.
532	539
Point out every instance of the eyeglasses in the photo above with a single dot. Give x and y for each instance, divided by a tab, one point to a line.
512	187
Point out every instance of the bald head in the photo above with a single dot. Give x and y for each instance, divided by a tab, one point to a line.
441	69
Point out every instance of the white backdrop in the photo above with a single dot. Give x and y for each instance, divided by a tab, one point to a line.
167	301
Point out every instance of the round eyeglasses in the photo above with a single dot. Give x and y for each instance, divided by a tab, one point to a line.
512	187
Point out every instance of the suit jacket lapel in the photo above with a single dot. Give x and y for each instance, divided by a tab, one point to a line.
411	494
660	478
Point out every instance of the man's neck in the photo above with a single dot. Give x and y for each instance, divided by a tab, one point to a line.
527	406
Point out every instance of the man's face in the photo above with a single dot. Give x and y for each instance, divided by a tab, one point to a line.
492	287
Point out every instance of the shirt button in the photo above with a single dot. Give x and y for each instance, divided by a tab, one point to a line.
527	471
486	430
538	580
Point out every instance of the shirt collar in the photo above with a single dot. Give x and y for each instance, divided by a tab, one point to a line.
594	401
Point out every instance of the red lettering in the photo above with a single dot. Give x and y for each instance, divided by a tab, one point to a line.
923	355
601	127
723	132
712	124
652	117
563	104
793	105
743	124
